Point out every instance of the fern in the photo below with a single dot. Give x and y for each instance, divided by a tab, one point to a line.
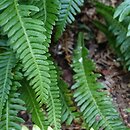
28	72
95	104
26	38
54	103
69	9
9	120
49	9
7	62
119	31
33	107
123	12
69	111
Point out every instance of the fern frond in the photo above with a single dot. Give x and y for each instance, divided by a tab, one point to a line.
94	103
48	13
69	111
14	104
69	8
32	105
123	12
119	30
54	103
7	62
26	38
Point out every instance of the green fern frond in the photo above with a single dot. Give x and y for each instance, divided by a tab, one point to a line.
26	38
54	103
7	62
95	104
32	105
123	12
9	120
119	30
48	12
69	8
69	111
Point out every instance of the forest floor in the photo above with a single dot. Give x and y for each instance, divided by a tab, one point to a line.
113	76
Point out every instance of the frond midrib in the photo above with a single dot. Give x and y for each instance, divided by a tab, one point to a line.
5	82
83	68
28	41
54	110
34	107
68	109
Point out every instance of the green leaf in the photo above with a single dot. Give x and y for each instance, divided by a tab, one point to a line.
69	8
94	103
69	111
54	103
9	120
7	62
32	105
26	36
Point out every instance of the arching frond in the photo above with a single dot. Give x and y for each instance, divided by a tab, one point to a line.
95	104
9	120
119	31
7	62
69	9
49	10
123	12
69	111
54	103
26	38
32	105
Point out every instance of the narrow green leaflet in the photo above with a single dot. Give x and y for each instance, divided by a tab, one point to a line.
69	8
95	104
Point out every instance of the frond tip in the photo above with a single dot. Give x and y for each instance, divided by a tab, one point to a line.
69	8
95	104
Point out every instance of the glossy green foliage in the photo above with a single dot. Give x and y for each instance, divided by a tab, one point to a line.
9	118
123	12
49	10
13	105
69	110
26	38
94	102
54	103
69	8
7	62
28	76
32	105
